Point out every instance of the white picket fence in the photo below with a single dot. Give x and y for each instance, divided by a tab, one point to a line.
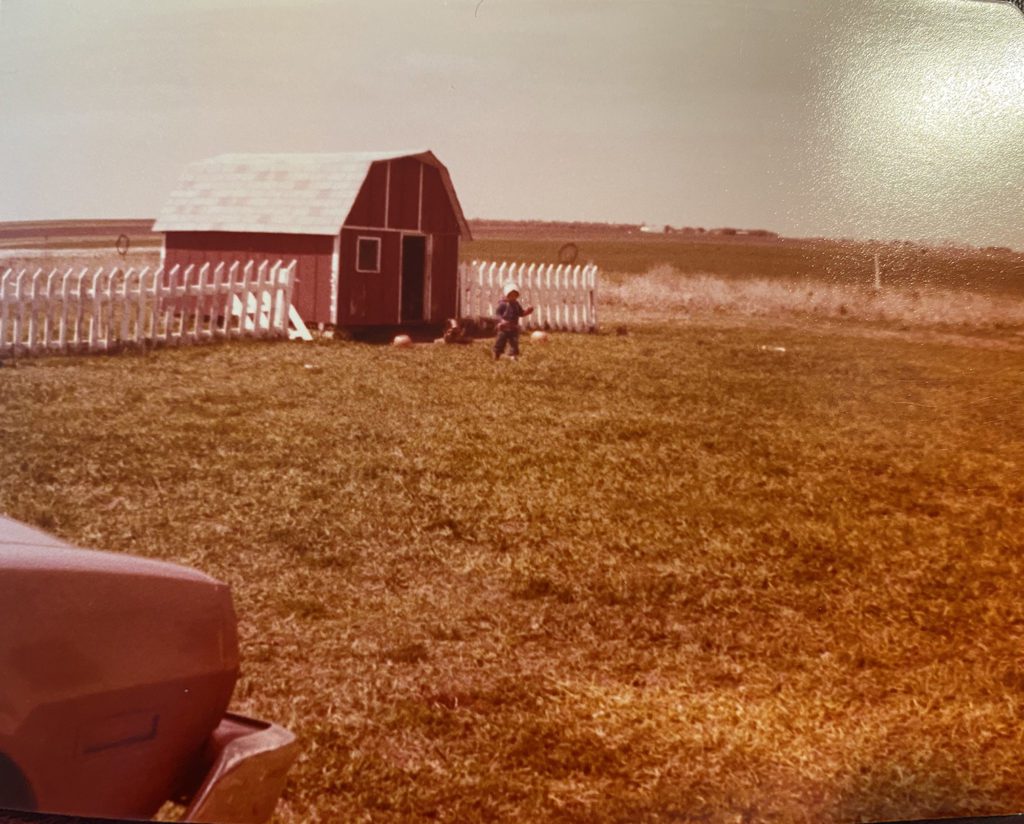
84	310
564	297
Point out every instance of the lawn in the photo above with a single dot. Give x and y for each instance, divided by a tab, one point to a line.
723	568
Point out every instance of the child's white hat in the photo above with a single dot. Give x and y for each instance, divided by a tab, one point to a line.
510	287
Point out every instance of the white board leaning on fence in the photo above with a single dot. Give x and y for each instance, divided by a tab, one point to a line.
80	310
564	297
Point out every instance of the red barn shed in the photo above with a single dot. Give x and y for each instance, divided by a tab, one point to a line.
376	234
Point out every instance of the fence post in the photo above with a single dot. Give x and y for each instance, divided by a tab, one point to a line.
161	306
165	301
237	303
209	297
245	297
286	296
126	278
253	302
90	295
231	301
531	278
478	288
135	305
593	297
66	314
275	298
173	303
19	317
576	297
273	288
556	295
198	289
50	308
108	307
37	331
265	304
5	279
214	303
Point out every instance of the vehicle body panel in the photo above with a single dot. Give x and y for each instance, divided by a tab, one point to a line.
115	672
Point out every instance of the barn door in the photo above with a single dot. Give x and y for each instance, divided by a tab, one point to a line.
414	261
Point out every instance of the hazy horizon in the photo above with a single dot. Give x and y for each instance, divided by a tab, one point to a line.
865	121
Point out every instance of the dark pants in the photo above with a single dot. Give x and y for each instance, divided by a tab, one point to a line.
511	338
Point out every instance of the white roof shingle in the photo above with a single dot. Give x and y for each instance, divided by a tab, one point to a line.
308	194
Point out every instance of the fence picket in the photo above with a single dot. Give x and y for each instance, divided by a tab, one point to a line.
96	310
253	302
261	311
34	330
165	300
244	296
283	295
19	313
6	282
19	318
195	324
126	278
65	308
564	296
528	277
96	338
213	329
137	301
230	296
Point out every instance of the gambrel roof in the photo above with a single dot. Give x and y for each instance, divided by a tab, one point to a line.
302	194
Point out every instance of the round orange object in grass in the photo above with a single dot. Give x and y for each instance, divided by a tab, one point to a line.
540	336
402	340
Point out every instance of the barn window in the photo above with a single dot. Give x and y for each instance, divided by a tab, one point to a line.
368	254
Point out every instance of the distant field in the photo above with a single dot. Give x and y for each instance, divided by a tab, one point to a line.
757	560
83	234
619	249
800	260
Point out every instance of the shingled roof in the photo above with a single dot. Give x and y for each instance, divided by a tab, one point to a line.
302	194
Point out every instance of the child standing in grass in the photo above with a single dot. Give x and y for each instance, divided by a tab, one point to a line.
509	311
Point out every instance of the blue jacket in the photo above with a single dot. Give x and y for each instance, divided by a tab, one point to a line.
509	312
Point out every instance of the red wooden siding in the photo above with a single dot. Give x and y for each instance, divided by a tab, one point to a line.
403	202
312	295
438	214
369	298
404	194
444	276
368	208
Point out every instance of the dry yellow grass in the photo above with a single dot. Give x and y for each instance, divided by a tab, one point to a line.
63	259
664	291
672	575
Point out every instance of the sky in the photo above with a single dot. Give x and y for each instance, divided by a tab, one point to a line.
866	118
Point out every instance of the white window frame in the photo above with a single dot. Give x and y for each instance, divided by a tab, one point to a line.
359	240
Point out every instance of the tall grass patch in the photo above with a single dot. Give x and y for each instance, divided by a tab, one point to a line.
666	291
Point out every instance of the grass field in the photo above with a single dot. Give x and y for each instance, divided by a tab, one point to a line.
676	574
846	263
